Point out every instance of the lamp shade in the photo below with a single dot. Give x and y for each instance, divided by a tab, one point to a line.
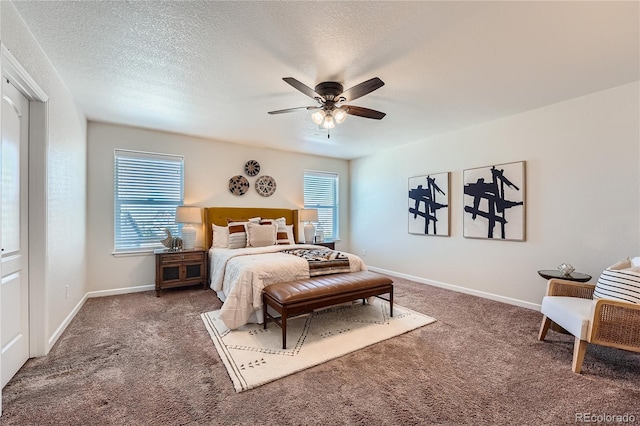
308	215
188	214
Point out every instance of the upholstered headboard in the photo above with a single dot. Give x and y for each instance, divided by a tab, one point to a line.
219	216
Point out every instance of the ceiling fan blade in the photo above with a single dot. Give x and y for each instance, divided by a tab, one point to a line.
364	112
302	87
282	111
361	89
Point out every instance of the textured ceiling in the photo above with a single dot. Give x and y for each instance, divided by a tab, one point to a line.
214	69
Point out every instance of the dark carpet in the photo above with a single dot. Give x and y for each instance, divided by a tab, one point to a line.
141	360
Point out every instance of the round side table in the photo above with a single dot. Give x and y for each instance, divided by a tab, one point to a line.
554	273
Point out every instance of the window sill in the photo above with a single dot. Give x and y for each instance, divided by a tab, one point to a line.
130	253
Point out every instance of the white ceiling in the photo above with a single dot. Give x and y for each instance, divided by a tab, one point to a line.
214	69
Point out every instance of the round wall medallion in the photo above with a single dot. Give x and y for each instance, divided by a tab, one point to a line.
238	185
252	168
266	186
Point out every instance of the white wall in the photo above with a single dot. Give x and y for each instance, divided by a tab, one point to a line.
582	197
66	177
208	166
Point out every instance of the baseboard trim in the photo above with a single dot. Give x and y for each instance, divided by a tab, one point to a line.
118	291
62	327
459	289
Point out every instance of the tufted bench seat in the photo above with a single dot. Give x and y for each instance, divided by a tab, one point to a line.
302	296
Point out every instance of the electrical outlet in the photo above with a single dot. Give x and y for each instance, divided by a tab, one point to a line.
66	291
364	252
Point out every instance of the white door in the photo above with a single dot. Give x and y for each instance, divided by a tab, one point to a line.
14	331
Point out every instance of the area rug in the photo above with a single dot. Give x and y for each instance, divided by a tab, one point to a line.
254	356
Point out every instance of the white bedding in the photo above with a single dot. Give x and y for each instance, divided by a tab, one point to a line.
239	275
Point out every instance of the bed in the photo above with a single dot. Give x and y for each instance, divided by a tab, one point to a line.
239	274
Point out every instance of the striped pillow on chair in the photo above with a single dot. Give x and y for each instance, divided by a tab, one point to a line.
619	282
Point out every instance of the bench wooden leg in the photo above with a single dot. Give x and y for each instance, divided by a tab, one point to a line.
283	321
264	311
391	301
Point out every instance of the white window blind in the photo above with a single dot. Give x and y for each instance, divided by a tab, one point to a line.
148	188
321	192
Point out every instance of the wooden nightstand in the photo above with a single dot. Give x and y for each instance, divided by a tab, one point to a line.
329	244
180	268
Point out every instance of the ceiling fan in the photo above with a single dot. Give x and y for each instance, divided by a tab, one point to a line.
331	97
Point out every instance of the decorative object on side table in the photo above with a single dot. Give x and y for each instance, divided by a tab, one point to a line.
308	216
171	242
566	269
188	215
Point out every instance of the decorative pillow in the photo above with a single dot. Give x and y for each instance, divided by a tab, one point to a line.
238	232
260	235
281	223
290	237
619	282
220	236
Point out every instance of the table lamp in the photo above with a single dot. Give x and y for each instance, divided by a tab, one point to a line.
188	215
308	216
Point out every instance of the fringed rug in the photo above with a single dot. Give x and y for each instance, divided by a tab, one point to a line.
254	356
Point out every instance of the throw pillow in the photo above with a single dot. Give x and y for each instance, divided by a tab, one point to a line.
260	235
220	236
281	223
290	237
619	282
238	232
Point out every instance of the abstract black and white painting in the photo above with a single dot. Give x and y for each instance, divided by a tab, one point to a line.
429	204
494	202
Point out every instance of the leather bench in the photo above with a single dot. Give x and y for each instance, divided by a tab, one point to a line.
303	296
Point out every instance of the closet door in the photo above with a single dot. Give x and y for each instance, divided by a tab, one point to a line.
14	283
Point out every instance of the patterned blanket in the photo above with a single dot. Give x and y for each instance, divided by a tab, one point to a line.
322	261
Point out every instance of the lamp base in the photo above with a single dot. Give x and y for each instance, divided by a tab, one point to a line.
309	232
188	237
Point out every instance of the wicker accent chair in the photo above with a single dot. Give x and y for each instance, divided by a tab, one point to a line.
570	305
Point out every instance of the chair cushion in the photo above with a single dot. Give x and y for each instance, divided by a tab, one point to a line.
571	313
619	282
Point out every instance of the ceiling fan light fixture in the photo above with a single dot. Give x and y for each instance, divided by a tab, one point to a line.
339	114
318	116
330	95
328	122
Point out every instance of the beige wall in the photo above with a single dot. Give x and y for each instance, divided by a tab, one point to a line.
208	167
65	203
582	193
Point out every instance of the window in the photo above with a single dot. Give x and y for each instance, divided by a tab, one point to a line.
321	192
148	187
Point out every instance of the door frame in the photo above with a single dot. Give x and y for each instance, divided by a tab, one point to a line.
38	191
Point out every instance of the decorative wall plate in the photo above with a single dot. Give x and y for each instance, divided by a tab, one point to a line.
266	186
252	168
238	185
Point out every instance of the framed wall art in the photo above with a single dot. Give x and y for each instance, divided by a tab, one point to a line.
429	204
494	202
